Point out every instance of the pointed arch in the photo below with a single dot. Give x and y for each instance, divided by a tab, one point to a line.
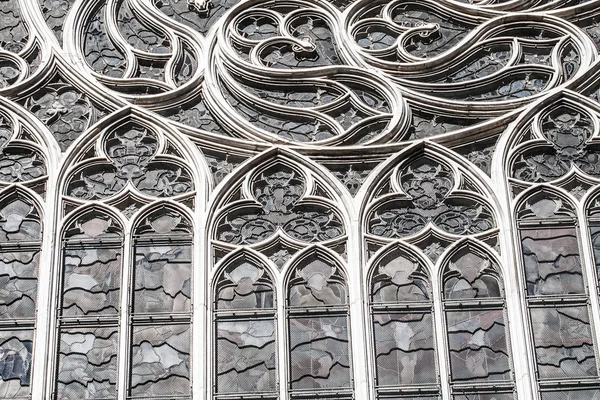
20	251
244	322
90	272
251	208
475	321
396	204
401	320
317	320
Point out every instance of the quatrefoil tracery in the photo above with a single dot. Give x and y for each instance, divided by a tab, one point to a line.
426	192
279	199
564	141
132	159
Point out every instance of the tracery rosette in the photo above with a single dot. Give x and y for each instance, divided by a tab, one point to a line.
132	48
440	55
279	202
280	70
128	164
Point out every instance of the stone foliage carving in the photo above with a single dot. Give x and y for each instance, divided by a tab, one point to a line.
247	174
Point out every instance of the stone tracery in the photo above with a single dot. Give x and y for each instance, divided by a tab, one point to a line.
287	161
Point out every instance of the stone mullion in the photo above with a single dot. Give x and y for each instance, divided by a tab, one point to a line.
589	265
42	372
358	309
123	356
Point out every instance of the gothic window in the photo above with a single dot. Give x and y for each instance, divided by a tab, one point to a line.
328	199
433	204
317	327
556	291
280	308
88	314
401	308
245	330
159	364
473	299
20	246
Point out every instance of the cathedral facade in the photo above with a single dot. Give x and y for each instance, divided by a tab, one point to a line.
300	199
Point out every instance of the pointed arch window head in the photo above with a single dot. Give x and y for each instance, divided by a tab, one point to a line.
399	279
245	286
423	192
470	276
130	154
402	323
475	315
318	322
317	283
568	131
245	329
277	200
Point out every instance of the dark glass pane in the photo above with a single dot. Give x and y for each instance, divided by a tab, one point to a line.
399	280
244	286
87	363
19	221
484	396
160	361
477	341
408	397
317	284
572	394
552	263
563	342
162	279
319	352
18	284
246	356
404	349
15	363
91	281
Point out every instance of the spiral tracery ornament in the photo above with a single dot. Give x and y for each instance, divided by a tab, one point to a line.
321	198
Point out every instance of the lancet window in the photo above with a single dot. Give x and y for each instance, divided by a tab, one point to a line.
20	250
401	305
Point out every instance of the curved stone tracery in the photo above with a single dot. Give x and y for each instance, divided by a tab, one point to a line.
299	199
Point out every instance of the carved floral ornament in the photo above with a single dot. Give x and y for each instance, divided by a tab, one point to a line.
283	200
397	186
426	193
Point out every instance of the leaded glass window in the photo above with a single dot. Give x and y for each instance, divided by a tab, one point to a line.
20	250
159	359
300	199
401	304
479	350
556	291
88	325
245	319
